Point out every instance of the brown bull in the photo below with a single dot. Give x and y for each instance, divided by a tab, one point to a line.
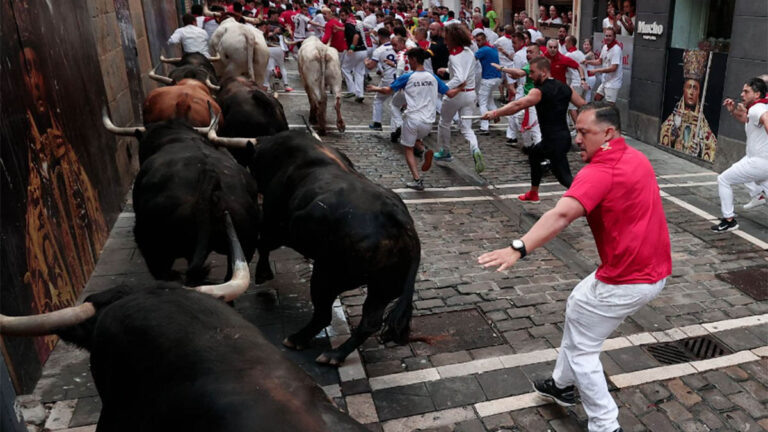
188	100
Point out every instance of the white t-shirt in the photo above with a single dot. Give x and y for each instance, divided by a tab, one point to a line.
608	24
490	35
572	75
461	66
505	43
385	52
757	138
300	22
320	19
192	39
557	20
561	48
535	35
420	89
624	29
520	60
612	57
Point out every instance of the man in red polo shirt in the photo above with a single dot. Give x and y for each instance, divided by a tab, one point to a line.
334	30
560	63
618	193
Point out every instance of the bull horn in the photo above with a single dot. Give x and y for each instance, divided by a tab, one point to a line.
159	78
211	85
310	130
128	131
214	58
241	276
251	20
47	323
229	142
171	60
290	42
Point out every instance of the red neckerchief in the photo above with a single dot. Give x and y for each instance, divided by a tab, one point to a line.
423	44
571	49
532	28
487	44
611	45
457	50
210	18
763	101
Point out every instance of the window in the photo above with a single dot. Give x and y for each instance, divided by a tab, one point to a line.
702	24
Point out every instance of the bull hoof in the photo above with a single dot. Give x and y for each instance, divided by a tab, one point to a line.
322	132
289	344
341	127
330	358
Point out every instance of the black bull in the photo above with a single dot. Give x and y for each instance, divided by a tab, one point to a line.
180	195
169	359
356	232
195	66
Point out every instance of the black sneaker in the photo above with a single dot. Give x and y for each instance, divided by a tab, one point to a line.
416	185
359	99
511	142
725	225
395	136
619	430
547	388
375	126
484	132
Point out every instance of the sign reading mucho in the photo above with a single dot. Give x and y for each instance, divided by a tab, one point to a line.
649	31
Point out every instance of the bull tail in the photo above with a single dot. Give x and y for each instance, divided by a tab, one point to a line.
208	184
397	323
251	47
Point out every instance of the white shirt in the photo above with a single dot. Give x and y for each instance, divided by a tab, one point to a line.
420	89
535	35
192	39
320	19
572	75
461	66
410	44
607	23
385	52
370	22
505	43
757	138
210	27
612	57
452	21
300	22
520	60
557	20
200	21
490	35
561	48
624	29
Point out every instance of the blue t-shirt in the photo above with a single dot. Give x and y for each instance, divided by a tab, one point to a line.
488	55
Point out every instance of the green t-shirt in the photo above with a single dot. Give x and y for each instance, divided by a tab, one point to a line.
491	15
529	84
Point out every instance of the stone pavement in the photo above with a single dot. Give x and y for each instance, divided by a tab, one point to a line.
490	334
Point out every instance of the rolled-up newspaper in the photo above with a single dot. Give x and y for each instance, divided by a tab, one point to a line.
471	117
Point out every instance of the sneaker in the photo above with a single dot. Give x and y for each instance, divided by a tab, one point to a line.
547	388
359	99
512	142
375	126
530	196
754	202
288	89
278	74
619	430
428	155
395	136
416	185
479	164
484	132
348	95
444	156
725	225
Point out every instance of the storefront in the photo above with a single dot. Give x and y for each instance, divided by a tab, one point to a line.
689	55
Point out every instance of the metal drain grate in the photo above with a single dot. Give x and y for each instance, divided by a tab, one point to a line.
682	351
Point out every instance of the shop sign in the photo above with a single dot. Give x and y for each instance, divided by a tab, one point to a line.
649	31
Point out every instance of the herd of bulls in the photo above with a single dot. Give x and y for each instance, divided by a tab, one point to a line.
169	357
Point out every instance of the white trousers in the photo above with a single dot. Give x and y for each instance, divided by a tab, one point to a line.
529	130
395	105
276	58
485	98
593	311
750	171
353	68
378	103
463	104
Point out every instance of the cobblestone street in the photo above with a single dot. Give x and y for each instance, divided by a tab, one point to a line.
480	336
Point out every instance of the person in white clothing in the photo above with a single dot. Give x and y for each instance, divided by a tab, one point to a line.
421	90
532	31
191	37
301	23
554	17
490	34
487	55
611	21
586	49
461	65
752	169
385	58
610	59
506	59
572	75
561	35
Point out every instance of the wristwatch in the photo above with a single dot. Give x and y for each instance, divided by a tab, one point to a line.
519	246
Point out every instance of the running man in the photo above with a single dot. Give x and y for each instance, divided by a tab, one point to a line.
385	58
421	90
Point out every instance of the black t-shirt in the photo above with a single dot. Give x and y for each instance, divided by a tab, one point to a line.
350	30
439	54
553	108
